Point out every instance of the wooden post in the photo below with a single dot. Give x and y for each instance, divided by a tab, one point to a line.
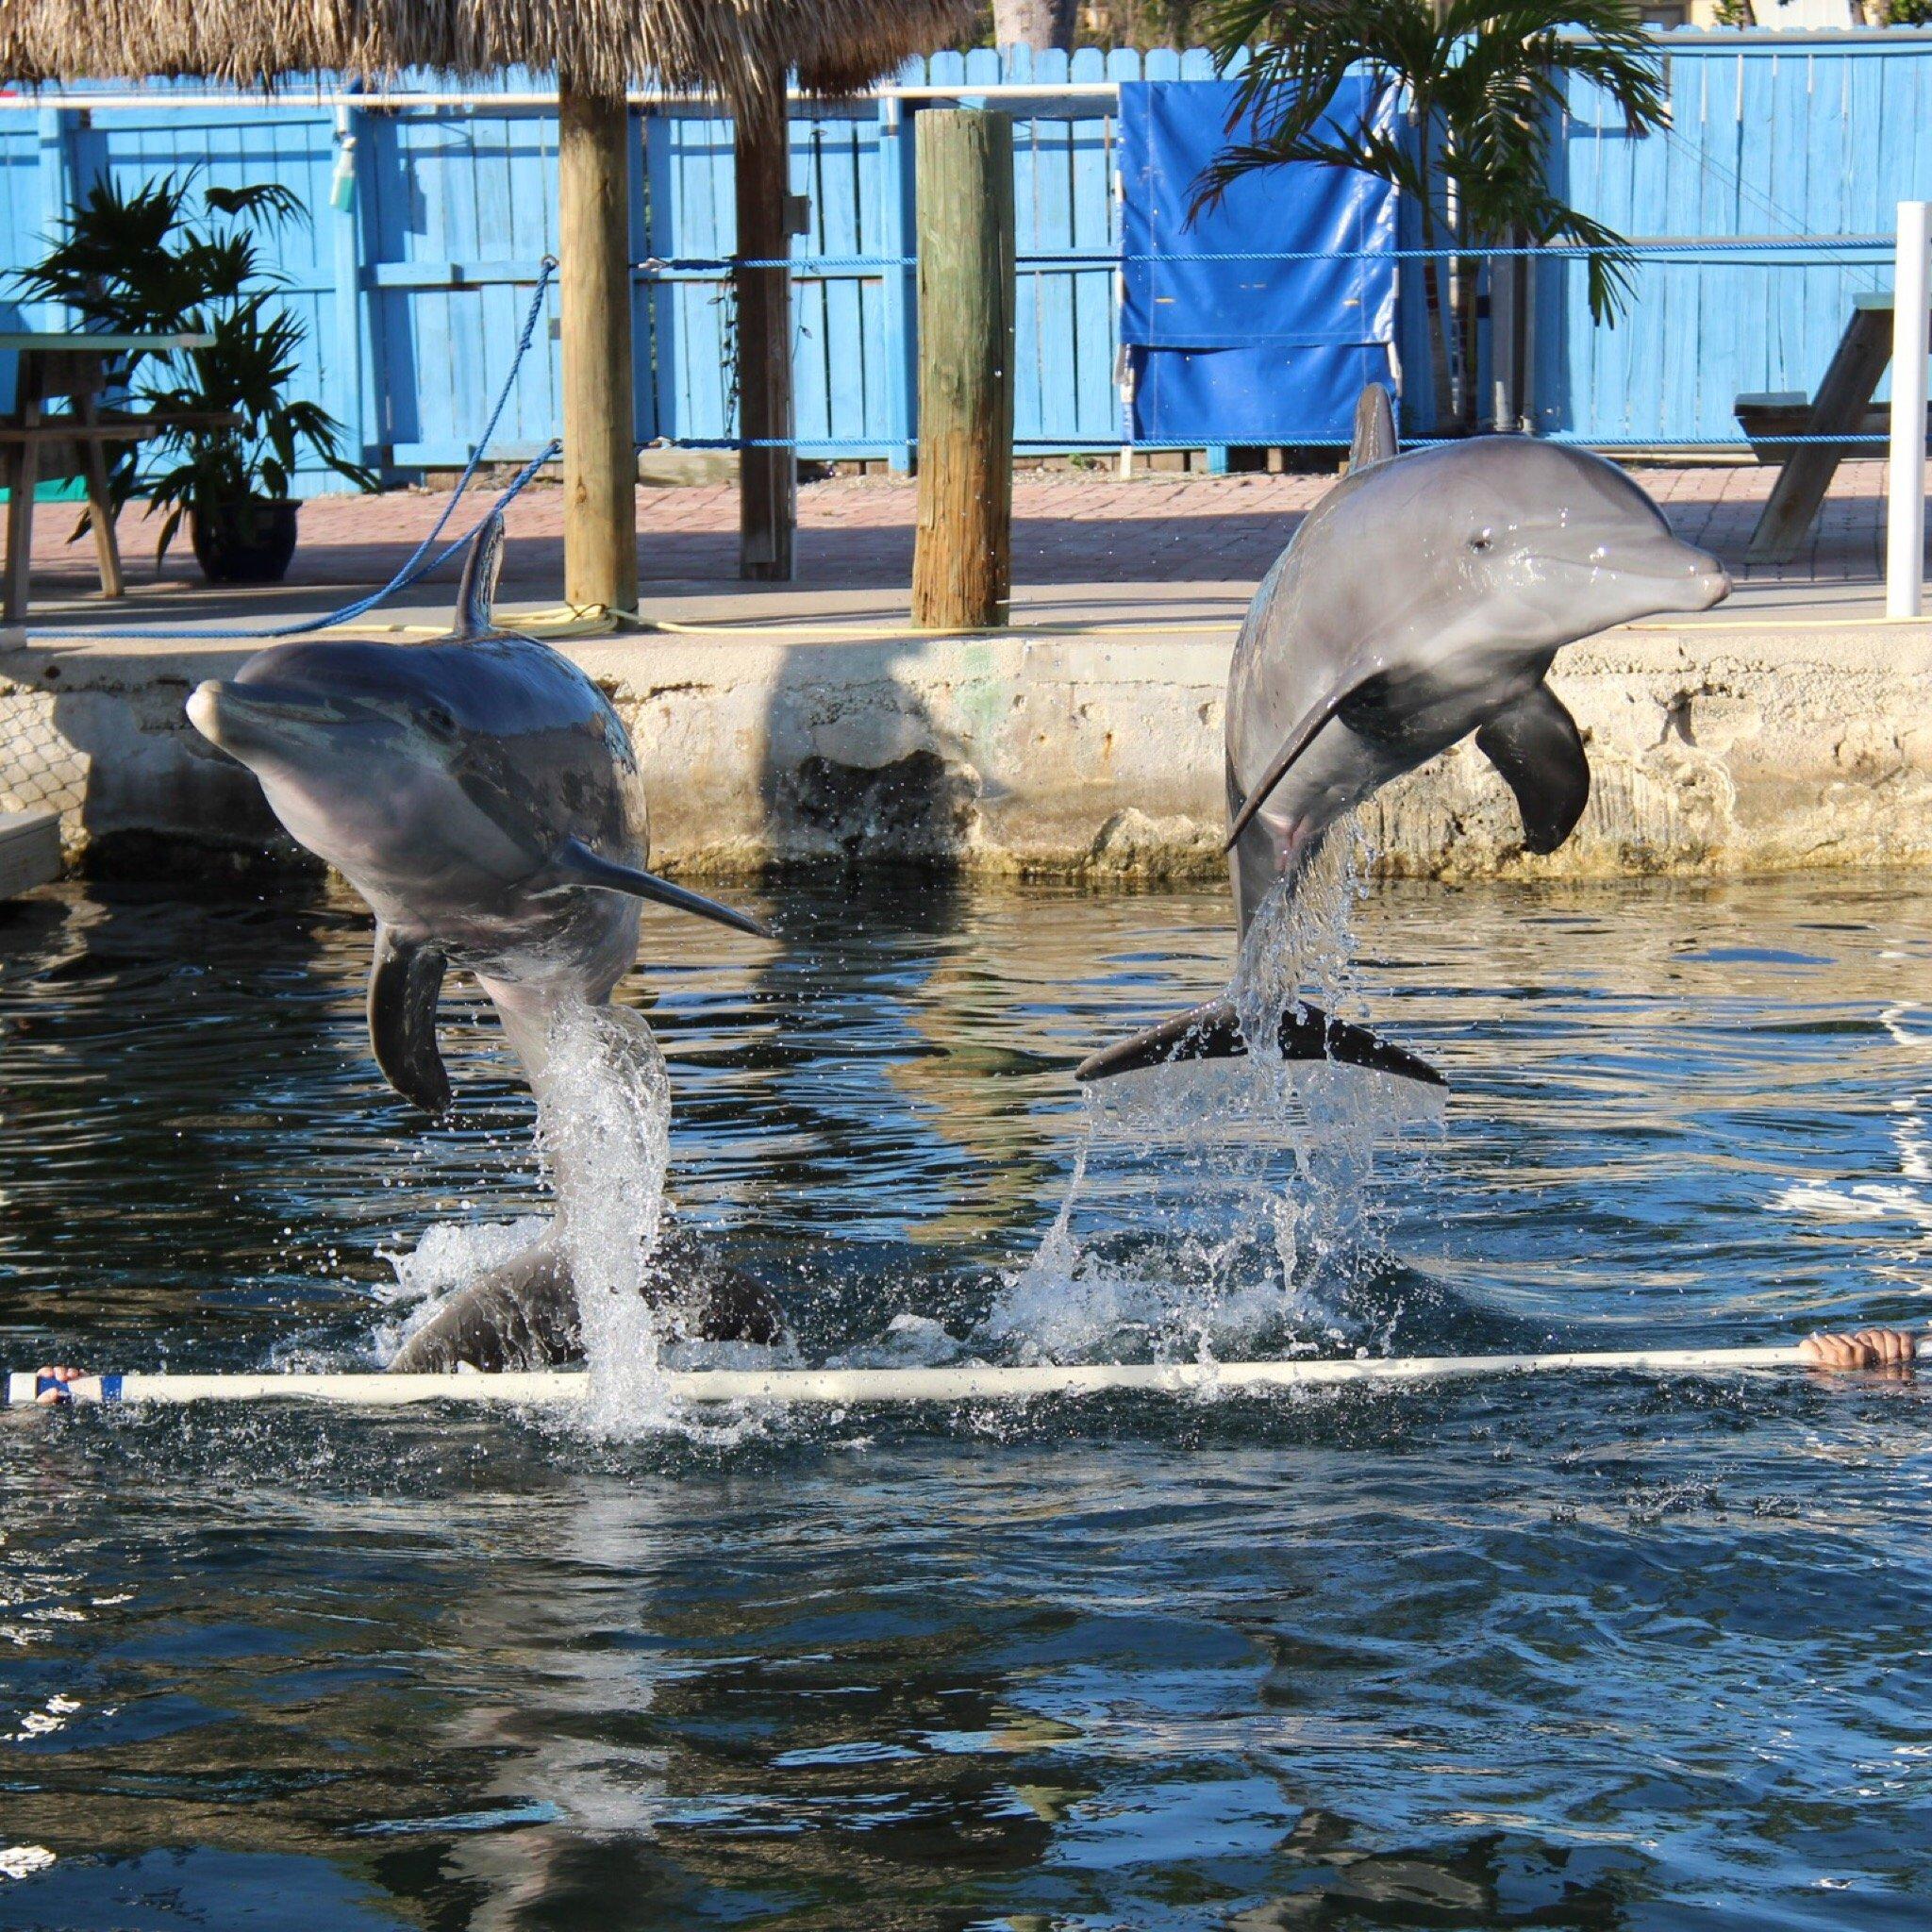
962	564
600	463
767	477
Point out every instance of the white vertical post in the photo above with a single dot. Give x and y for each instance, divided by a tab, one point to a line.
1904	509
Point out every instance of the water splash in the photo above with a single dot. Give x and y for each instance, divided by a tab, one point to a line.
1300	945
1225	1205
604	1131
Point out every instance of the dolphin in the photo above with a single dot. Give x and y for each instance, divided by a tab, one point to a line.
482	796
1423	600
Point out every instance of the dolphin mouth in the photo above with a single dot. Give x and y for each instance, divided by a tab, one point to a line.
1679	578
240	718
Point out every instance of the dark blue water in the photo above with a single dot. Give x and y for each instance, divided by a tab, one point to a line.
1593	1652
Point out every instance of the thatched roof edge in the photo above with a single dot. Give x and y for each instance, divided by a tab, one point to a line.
733	48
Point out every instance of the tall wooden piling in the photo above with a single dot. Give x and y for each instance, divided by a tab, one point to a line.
766	477
600	465
962	564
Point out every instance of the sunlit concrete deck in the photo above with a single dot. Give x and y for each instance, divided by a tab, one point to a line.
1791	726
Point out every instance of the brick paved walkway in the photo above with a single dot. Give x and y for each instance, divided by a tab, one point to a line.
1069	528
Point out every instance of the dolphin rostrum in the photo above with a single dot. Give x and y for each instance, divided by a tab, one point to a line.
1422	600
482	796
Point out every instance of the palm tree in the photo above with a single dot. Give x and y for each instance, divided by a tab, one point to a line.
1480	85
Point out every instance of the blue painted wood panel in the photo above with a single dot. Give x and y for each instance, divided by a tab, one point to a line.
414	295
1775	136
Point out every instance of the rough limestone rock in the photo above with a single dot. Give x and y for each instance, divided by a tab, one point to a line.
1719	749
1132	845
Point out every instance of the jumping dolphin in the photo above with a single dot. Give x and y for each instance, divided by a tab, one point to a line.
1422	600
482	796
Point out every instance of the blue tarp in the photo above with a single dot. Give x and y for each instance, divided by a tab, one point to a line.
1249	352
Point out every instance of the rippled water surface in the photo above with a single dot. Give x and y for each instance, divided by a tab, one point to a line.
1592	1653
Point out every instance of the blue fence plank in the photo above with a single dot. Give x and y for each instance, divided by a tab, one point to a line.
414	295
1788	137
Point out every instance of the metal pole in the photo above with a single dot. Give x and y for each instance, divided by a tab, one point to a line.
1904	509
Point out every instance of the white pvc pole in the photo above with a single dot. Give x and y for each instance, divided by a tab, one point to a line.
1904	509
859	1387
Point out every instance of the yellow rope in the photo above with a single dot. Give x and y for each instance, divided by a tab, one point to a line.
1021	626
595	620
568	620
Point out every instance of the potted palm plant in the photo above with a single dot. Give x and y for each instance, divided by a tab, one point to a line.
231	480
146	260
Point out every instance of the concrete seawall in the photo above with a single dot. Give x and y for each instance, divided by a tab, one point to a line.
1715	749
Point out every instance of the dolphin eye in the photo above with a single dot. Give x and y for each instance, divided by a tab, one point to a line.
438	721
1482	541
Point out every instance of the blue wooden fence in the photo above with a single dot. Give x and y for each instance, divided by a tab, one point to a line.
1770	135
414	293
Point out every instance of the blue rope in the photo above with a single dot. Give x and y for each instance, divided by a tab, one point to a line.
1264	440
416	567
1714	248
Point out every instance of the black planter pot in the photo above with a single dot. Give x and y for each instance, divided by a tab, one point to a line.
244	543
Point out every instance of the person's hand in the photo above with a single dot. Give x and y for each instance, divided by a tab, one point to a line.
48	1397
1891	1350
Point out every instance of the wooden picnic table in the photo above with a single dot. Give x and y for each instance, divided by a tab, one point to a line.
1842	406
78	368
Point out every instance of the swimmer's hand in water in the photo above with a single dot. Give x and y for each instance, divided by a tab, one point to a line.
52	1396
1893	1351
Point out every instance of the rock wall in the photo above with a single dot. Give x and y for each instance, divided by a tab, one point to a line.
1714	750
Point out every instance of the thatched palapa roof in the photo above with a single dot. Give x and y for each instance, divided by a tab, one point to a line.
728	47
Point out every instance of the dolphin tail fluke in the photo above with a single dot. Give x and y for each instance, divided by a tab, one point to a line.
477	594
1374	428
1213	1032
576	864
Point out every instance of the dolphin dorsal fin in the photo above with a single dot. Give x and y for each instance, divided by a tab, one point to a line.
481	567
1374	428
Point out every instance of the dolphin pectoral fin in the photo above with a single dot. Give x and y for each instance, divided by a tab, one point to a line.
1213	1032
403	986
1297	742
477	593
1374	428
1535	746
576	864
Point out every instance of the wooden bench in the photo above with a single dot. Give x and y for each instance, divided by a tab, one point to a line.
1842	406
77	369
1769	421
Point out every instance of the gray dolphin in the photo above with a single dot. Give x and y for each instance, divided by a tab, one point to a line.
1422	600
482	796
